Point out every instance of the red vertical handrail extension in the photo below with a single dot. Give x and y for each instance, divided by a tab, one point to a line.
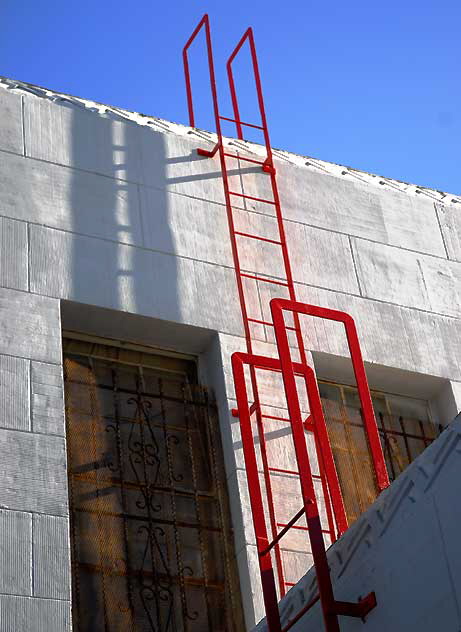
278	306
330	607
331	487
204	22
248	35
219	146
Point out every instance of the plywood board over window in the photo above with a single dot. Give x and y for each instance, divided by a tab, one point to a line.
152	546
405	428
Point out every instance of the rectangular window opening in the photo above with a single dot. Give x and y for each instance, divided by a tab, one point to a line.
151	537
405	427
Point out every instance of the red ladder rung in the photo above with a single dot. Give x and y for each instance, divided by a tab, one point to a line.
285	529
250	197
288	421
258	278
258	237
265	322
294	526
256	162
226	118
277	469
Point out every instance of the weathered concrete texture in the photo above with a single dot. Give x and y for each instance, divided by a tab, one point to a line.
47	395
406	548
185	226
320	257
51	557
171	162
14	393
11	138
75	137
13	254
411	279
23	614
72	200
15	553
351	207
29	326
103	144
33	472
450	224
390	335
129	279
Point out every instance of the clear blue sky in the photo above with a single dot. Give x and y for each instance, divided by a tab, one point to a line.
373	85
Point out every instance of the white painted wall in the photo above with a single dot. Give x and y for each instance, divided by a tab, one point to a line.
121	230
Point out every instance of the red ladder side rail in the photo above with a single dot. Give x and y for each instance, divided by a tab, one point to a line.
329	477
278	306
204	23
330	607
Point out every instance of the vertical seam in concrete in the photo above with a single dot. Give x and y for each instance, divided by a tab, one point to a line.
261	310
423	279
447	562
441	231
23	121
355	265
141	223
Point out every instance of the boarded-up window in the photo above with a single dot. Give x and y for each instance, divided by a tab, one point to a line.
405	429
152	547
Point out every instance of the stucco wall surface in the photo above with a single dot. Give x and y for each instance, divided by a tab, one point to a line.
100	211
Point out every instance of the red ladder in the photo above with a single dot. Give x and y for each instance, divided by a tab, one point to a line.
328	475
336	516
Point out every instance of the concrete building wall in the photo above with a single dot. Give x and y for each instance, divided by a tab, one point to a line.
112	228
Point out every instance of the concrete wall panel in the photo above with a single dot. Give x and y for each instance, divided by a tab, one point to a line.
450	224
51	557
171	162
47	395
14	393
185	226
351	207
133	280
15	553
72	200
406	278
34	615
75	137
29	326
390	335
13	254
322	258
11	137
33	472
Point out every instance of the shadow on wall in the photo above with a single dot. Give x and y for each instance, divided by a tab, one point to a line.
111	272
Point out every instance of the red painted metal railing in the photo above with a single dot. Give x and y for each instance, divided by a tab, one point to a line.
273	581
330	606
